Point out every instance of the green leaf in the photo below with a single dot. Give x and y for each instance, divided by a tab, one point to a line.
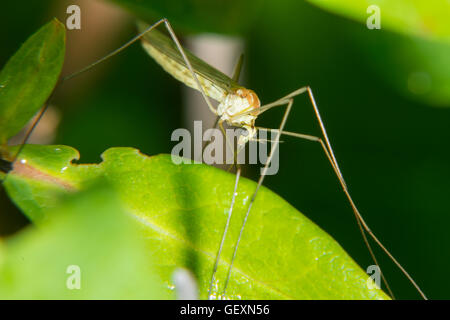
182	210
29	77
89	231
229	16
410	52
427	19
417	68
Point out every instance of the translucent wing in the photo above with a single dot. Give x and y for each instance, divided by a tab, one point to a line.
216	84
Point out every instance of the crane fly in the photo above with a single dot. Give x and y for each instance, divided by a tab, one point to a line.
238	107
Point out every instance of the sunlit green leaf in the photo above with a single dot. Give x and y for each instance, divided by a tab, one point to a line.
410	52
182	211
428	19
417	68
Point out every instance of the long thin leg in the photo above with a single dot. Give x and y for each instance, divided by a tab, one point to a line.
188	63
358	215
284	100
70	76
330	154
28	134
33	126
113	53
260	181
225	231
330	159
208	139
139	36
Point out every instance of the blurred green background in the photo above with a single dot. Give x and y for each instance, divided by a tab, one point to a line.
384	97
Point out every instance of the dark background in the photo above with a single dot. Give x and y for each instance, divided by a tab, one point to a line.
393	147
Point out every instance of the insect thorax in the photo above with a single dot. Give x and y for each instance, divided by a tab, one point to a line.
240	109
236	109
